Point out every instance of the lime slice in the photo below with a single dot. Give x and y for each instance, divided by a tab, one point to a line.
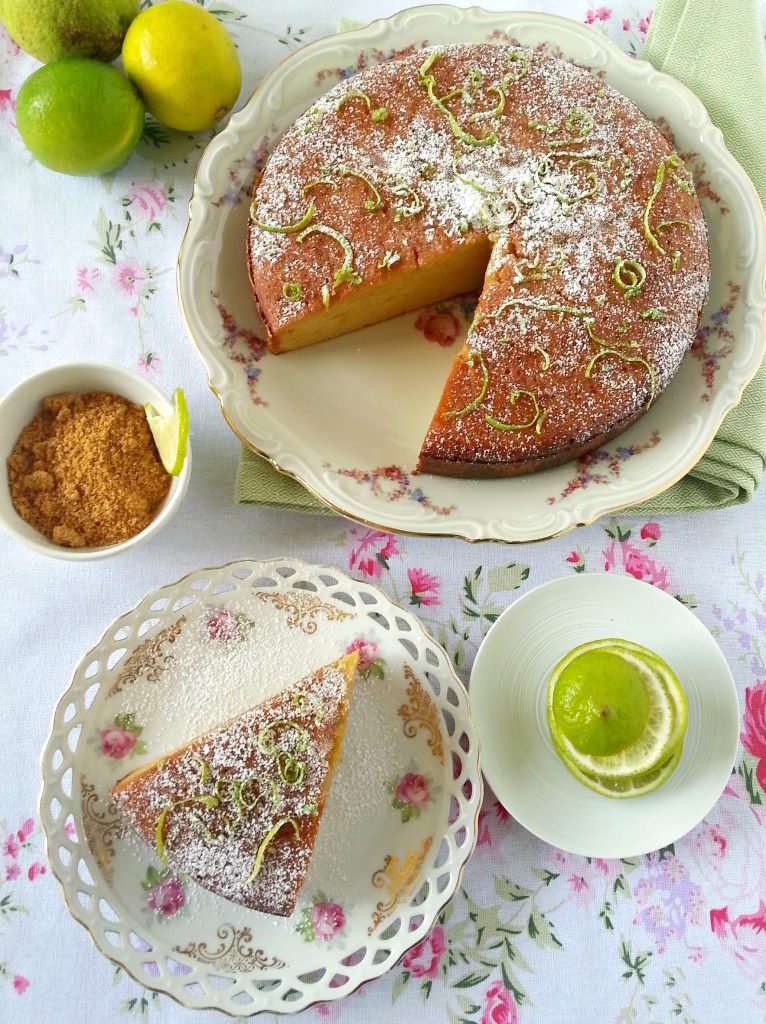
170	433
600	702
669	680
622	789
663	726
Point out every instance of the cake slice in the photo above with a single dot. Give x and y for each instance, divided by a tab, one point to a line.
238	808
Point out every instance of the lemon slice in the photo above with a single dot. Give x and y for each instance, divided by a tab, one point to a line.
663	727
170	433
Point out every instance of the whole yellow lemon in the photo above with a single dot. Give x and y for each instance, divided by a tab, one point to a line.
183	63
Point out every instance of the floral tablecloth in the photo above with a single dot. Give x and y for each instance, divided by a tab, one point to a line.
534	935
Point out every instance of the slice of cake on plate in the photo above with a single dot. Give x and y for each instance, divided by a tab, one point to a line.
238	808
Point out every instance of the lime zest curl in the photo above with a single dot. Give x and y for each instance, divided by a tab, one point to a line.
492	211
578	124
606	348
428	81
353	94
266	743
284	229
388	259
544	354
541	306
265	843
629	276
473	355
402	190
467	181
516	74
668	166
346	270
292	291
326	181
537	418
495	111
370	205
315	115
554	262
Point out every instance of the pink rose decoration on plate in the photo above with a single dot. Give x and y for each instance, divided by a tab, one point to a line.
499	1005
369	662
227	627
442	327
164	893
122	737
20	984
413	789
423	960
410	794
328	919
323	920
11	845
116	742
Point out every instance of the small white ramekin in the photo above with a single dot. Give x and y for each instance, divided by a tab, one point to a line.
24	402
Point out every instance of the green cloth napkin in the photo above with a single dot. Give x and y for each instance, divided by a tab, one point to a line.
716	48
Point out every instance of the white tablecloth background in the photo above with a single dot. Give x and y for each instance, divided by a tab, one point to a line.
87	271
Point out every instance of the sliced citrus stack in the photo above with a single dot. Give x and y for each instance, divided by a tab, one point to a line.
170	433
617	716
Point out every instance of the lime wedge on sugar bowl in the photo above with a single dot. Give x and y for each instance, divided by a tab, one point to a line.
170	433
617	716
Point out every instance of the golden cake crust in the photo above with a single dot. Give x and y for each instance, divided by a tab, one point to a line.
502	167
238	808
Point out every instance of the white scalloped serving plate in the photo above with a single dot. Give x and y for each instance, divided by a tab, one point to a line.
398	827
323	415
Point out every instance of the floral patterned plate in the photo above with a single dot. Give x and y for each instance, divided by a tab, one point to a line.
508	696
398	827
294	409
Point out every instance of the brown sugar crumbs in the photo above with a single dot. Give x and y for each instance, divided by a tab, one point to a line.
85	472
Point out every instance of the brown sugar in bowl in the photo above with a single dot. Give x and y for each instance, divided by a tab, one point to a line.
24	402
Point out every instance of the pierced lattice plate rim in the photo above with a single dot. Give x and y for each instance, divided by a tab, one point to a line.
399	825
359	470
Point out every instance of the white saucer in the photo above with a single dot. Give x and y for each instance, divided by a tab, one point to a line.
508	698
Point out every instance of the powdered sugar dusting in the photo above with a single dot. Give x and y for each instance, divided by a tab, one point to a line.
215	804
566	185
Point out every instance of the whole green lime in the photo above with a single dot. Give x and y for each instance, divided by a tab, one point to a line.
79	116
52	29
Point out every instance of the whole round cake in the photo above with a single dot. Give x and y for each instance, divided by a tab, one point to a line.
505	169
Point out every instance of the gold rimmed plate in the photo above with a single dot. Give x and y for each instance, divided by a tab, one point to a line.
398	826
323	415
